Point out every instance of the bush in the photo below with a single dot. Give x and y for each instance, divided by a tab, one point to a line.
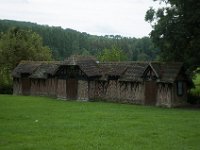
193	99
6	89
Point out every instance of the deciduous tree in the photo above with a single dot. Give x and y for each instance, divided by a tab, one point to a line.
176	30
17	45
113	54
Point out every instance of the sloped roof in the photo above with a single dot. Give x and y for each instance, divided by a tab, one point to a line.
45	69
26	67
134	72
37	69
170	71
87	64
125	71
112	68
167	71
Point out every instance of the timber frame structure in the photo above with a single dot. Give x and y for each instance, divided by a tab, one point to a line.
84	78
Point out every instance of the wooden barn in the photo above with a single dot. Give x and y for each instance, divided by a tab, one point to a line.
166	84
21	74
132	84
35	78
43	80
121	82
76	77
82	78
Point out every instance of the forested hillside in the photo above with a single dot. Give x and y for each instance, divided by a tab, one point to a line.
64	42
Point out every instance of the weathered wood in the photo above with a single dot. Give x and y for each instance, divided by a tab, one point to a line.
92	90
52	87
142	83
164	94
132	92
71	88
179	100
150	92
61	89
17	86
26	86
83	90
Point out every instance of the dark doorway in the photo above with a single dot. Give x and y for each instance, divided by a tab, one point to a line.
150	92
26	85
71	88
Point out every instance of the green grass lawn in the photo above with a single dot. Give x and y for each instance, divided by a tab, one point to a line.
39	123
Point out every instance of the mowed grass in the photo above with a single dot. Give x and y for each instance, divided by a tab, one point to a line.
40	123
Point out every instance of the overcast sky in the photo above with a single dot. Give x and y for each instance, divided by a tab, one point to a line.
98	17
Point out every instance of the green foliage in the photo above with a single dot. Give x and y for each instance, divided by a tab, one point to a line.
85	53
17	45
176	30
150	15
43	123
113	54
196	80
65	42
143	57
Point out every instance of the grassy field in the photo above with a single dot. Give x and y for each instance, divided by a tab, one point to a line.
39	123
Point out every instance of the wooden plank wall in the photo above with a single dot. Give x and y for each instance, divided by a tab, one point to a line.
61	89
132	92
164	94
124	92
17	86
111	90
179	100
83	90
52	87
99	90
34	87
39	87
91	90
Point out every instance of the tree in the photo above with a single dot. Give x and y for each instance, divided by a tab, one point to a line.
65	42
142	57
176	30
113	54
17	45
85	52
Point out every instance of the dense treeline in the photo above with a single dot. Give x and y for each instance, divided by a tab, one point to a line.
65	42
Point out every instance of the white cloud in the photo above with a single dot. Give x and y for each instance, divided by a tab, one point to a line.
118	17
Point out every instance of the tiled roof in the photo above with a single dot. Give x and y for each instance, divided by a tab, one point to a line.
37	69
87	64
45	69
134	72
112	68
26	67
168	71
124	71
